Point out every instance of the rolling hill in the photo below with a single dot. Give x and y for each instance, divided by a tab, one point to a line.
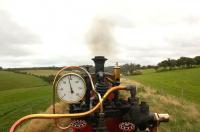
20	95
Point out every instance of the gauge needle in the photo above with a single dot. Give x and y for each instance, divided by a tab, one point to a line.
70	85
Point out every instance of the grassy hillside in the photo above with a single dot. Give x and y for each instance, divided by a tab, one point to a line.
183	84
10	80
21	95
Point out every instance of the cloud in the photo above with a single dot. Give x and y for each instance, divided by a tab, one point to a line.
141	31
150	44
45	60
14	38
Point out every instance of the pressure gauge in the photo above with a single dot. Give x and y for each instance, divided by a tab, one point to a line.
71	88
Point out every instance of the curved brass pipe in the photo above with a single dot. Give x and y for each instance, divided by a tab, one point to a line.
57	116
54	86
73	67
54	82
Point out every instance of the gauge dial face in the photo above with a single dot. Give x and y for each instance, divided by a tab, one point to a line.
71	88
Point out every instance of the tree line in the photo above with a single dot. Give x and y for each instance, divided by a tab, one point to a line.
33	68
168	64
131	69
182	62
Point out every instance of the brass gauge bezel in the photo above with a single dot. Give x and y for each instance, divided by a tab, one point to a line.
67	74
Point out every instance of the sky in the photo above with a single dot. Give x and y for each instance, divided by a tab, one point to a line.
71	32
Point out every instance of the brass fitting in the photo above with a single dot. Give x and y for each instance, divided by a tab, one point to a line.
116	72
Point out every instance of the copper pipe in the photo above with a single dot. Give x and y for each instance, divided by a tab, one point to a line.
73	67
54	88
54	83
57	116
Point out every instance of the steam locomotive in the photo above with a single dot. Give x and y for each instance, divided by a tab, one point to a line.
95	104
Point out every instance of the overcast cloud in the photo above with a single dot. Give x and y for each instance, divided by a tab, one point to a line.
58	33
14	39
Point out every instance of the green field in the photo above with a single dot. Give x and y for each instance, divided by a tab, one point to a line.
176	92
184	84
41	72
21	95
10	80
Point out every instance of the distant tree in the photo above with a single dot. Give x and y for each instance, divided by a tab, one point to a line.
182	62
163	64
131	68
1	68
149	66
143	67
190	62
156	67
186	62
197	60
179	63
171	63
124	69
137	66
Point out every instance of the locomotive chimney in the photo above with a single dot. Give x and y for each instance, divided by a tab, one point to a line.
99	63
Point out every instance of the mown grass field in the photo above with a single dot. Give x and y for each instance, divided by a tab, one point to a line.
10	80
184	84
21	95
